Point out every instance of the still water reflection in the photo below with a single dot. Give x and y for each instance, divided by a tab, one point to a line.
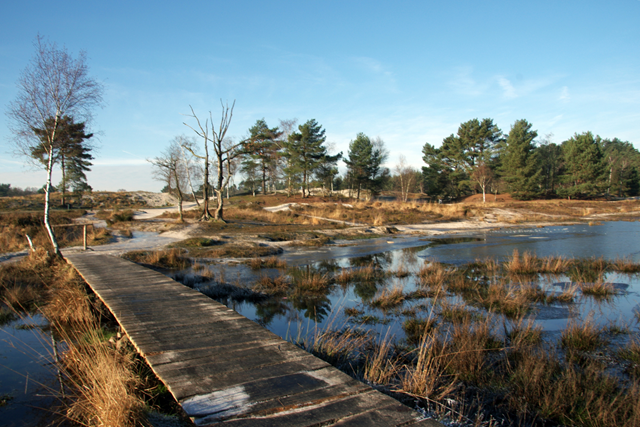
300	312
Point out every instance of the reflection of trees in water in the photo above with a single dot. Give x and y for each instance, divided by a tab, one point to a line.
381	260
314	306
366	290
266	311
328	266
410	255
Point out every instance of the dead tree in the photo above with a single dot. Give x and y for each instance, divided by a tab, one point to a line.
209	134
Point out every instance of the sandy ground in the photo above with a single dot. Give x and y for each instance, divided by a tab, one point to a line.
149	232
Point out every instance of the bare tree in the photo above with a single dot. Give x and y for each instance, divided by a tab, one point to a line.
233	160
187	160
483	175
287	127
52	86
407	175
209	134
169	168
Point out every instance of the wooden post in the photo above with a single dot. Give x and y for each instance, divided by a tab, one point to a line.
85	236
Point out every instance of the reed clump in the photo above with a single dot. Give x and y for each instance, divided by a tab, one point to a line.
272	286
389	298
168	258
582	337
597	289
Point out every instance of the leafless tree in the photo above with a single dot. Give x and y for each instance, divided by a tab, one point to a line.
407	175
209	134
169	168
188	161
233	161
52	86
483	175
287	127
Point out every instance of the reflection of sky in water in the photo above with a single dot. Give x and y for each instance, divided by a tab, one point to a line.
610	240
294	316
25	374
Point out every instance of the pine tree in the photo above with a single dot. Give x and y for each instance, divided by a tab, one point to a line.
70	149
263	149
520	162
583	166
364	163
305	151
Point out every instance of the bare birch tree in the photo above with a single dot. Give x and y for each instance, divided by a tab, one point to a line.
407	175
52	86
169	168
187	160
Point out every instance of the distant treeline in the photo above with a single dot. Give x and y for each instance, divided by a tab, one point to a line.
481	158
7	191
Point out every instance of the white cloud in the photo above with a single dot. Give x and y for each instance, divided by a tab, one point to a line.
564	94
507	87
465	84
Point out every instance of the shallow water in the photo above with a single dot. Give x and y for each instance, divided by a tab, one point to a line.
294	316
26	375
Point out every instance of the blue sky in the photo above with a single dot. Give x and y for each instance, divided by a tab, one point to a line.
409	72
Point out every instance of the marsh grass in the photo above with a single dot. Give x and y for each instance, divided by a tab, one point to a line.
582	337
415	328
272	286
433	274
308	279
599	289
525	264
168	258
389	298
624	265
269	262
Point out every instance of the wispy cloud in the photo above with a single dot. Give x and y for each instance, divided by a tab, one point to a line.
464	83
507	87
564	94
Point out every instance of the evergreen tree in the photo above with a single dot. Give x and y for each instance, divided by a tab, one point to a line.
520	162
583	175
305	152
262	148
551	164
71	150
364	163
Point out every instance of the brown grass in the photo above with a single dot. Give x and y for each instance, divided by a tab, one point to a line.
625	265
169	258
525	264
582	337
272	286
389	298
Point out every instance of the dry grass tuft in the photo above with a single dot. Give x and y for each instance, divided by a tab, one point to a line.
525	264
582	337
276	286
100	379
389	298
625	265
433	275
169	258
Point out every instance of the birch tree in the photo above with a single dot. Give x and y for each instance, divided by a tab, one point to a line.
53	85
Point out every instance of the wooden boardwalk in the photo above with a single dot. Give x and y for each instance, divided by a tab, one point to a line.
222	367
